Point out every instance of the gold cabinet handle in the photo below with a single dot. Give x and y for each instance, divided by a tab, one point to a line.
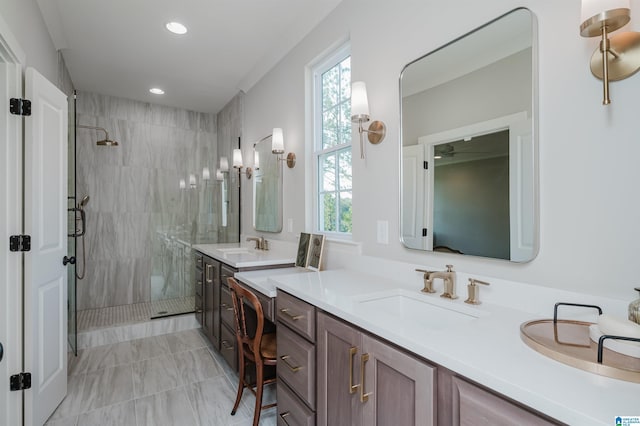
352	353
290	315
283	416
226	345
293	368
226	307
364	397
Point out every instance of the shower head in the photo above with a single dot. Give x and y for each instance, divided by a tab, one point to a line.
84	201
103	142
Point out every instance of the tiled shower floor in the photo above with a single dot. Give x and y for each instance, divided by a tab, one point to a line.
92	319
173	379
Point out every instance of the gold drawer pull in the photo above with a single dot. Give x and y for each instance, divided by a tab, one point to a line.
352	352
284	358
226	307
283	417
290	315
226	345
364	397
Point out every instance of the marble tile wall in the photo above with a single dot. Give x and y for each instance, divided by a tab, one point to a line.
136	201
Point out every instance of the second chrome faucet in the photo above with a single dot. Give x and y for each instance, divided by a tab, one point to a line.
449	278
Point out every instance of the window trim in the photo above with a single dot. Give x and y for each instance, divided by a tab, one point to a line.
332	59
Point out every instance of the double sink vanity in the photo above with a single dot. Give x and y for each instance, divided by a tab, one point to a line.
364	346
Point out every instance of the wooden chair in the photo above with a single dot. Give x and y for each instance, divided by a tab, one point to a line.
258	348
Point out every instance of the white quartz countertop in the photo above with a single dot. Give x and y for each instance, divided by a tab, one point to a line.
240	255
483	343
262	280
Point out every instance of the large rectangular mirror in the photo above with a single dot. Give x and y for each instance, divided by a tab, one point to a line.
469	144
267	189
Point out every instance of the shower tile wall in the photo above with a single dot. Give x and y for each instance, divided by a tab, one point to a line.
136	202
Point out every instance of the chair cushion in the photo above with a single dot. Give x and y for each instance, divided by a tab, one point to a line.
268	346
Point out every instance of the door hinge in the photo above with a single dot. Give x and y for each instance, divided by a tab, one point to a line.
20	106
424	232
20	381
20	243
425	165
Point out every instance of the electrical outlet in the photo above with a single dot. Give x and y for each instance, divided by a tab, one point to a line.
383	232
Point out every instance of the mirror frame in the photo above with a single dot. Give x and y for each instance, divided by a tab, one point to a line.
534	130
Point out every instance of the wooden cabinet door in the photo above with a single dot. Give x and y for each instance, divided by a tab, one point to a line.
474	406
338	361
399	389
211	302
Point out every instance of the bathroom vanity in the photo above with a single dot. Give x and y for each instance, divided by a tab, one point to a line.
214	263
356	348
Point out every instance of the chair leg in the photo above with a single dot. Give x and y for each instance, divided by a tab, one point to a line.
240	386
259	388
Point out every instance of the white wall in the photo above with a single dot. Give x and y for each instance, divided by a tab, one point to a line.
25	21
590	235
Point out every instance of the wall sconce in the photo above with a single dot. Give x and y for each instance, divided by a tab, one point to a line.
206	175
256	160
237	163
360	114
616	58
192	181
277	147
183	184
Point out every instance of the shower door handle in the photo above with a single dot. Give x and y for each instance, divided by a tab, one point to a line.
71	260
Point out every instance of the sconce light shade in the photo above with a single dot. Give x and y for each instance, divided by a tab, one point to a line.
359	101
224	164
183	184
277	141
256	160
219	175
237	158
192	180
206	174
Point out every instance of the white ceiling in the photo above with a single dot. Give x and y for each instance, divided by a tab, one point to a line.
121	47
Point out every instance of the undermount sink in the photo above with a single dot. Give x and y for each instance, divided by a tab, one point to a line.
428	311
235	250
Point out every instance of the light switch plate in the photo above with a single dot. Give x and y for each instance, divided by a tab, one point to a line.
290	225
383	232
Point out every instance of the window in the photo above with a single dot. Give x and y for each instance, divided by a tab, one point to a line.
332	143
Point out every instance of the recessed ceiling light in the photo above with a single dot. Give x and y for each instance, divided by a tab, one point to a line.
176	28
156	91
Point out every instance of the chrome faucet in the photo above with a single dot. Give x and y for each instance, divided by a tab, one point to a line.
261	243
449	278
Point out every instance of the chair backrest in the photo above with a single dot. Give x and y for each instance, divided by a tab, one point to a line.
238	295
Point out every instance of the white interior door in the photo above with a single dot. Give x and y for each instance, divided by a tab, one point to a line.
414	197
10	224
45	332
521	191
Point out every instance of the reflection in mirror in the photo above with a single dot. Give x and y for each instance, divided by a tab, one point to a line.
267	189
468	171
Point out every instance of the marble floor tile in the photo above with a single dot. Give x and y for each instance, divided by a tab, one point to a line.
123	414
212	401
185	341
170	408
101	357
155	375
197	365
74	366
149	347
226	368
107	387
72	404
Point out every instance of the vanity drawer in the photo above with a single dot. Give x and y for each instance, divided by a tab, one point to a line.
198	308
292	411
226	308
199	260
229	346
297	364
298	315
226	272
